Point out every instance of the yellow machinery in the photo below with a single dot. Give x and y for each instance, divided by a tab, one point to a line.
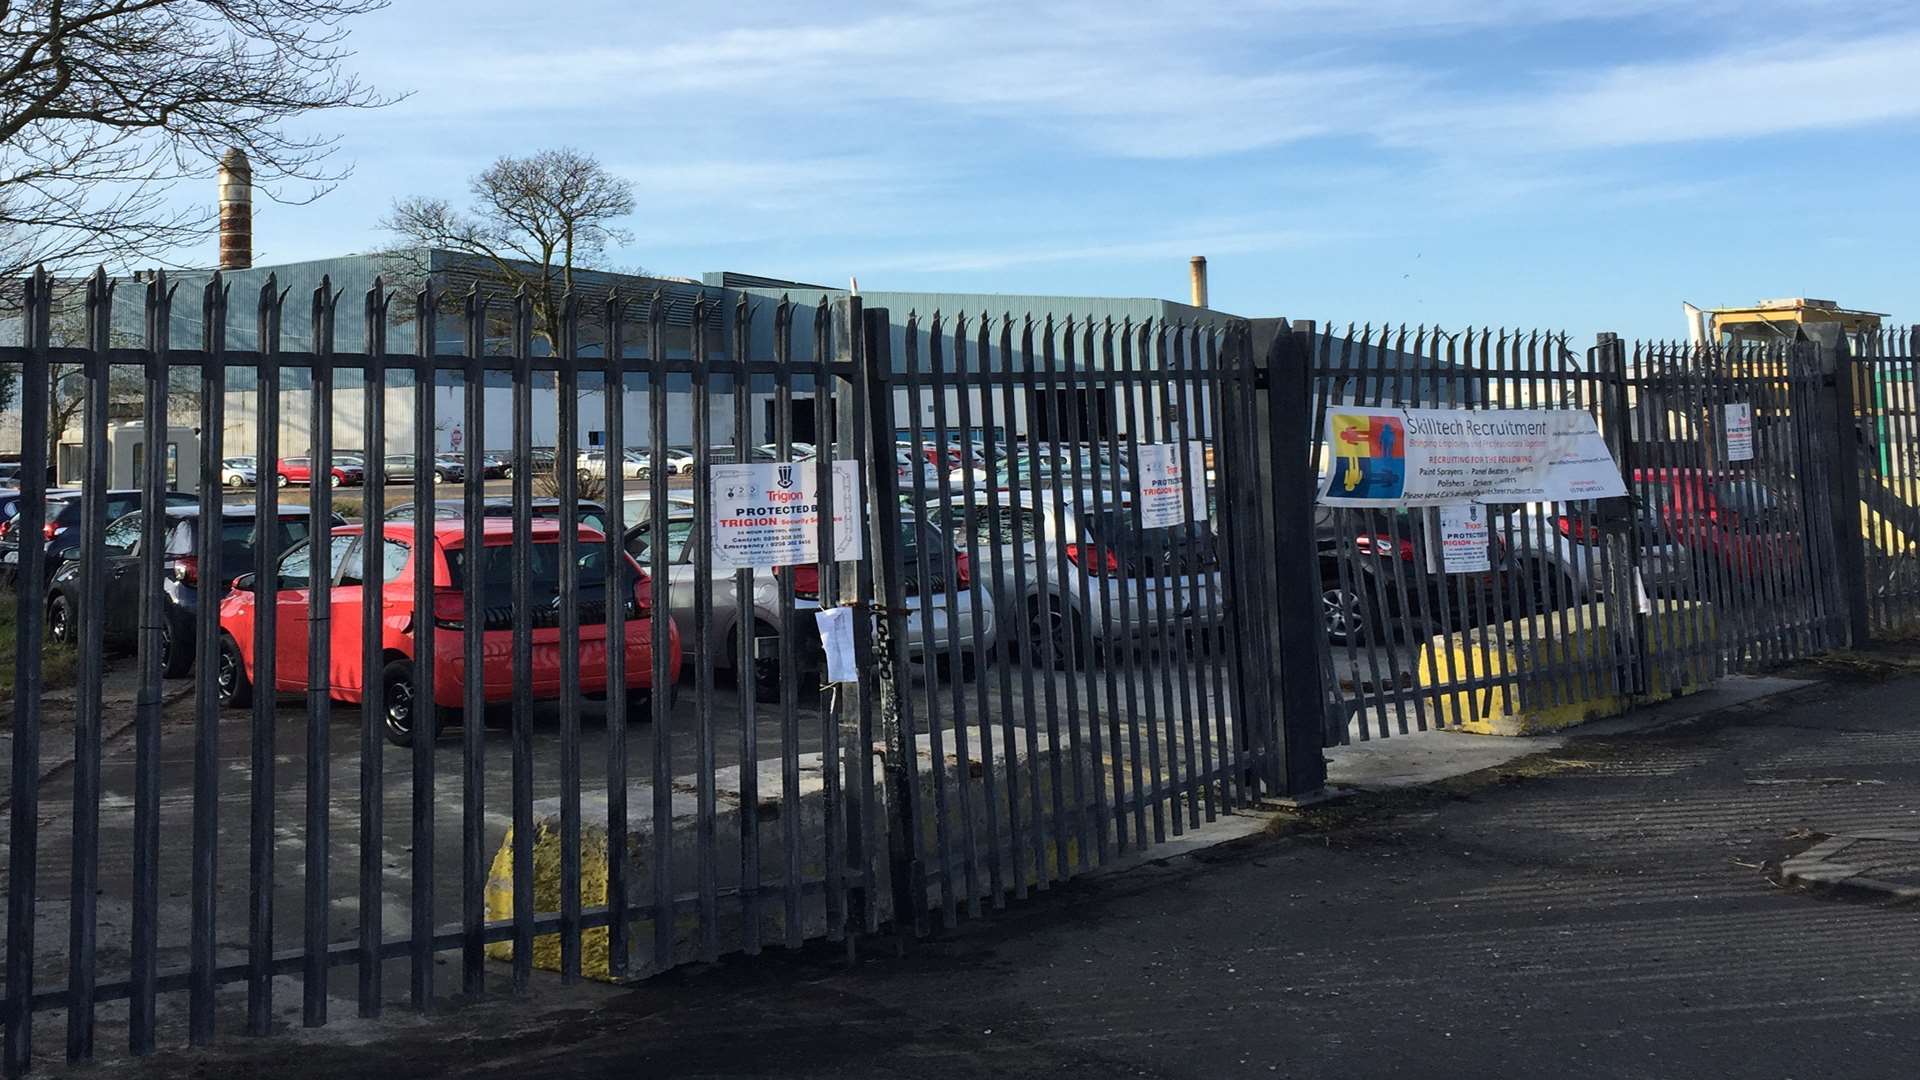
1771	320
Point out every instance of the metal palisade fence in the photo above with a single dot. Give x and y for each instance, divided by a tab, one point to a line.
520	704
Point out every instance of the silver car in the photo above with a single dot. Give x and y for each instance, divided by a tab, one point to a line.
954	626
1120	581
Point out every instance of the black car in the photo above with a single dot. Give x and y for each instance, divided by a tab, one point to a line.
65	509
181	584
591	514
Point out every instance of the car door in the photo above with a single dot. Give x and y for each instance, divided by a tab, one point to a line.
292	588
346	630
122	572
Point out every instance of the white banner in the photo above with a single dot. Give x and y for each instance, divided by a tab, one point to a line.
1433	457
768	515
1165	471
1739	432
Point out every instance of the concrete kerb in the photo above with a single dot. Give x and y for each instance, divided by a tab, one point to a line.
1837	866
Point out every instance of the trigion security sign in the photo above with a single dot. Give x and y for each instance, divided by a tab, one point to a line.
1432	457
767	515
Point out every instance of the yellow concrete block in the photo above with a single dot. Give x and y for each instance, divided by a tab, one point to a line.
1579	686
546	895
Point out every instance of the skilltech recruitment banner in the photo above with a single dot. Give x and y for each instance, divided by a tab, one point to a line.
1435	457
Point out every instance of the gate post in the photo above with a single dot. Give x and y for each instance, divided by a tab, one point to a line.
1283	468
1836	367
889	655
1620	523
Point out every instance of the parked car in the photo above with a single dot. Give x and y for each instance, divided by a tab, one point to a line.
238	472
299	470
802	451
63	532
1141	574
405	467
730	615
454	556
182	582
495	466
1372	579
678	462
591	514
9	471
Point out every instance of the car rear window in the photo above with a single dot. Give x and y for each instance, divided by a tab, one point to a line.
495	567
236	537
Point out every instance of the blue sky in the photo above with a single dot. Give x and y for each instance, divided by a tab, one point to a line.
1559	163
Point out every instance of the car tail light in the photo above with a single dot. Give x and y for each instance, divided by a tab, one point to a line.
1383	545
185	569
50	530
5	528
642	592
449	609
1577	530
1082	556
962	570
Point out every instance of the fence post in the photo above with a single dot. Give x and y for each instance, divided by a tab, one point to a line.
902	747
1284	472
1620	581
1849	559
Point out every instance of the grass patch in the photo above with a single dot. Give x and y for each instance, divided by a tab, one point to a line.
58	664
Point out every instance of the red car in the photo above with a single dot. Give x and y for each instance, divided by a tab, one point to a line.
1721	518
453	560
299	470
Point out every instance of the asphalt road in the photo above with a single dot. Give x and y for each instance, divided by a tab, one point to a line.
1600	911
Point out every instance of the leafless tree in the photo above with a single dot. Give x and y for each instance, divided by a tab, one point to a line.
106	104
532	222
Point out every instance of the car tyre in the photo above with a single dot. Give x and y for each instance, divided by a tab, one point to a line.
398	717
280	480
1347	614
176	652
235	481
1051	618
62	625
230	677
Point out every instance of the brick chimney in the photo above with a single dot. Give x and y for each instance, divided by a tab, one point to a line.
236	211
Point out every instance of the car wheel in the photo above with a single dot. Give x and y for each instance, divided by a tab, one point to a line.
280	480
640	703
1346	612
61	624
400	716
1052	621
176	652
766	669
235	481
230	677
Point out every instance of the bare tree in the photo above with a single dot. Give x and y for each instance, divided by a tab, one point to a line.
106	104
533	221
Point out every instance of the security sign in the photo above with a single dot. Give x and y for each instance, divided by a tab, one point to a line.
768	515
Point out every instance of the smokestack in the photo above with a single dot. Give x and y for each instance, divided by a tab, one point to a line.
1198	267
236	210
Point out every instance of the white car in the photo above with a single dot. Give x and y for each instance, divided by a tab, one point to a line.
238	472
679	463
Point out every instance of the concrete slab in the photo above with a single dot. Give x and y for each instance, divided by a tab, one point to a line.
1426	757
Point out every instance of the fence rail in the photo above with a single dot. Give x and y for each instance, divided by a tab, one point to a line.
1094	608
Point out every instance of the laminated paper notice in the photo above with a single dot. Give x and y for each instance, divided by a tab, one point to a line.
767	515
1739	431
1463	540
